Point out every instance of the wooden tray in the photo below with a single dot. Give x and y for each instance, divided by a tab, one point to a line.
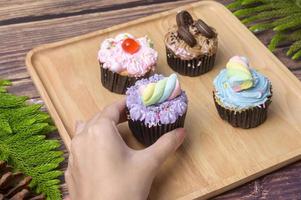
214	157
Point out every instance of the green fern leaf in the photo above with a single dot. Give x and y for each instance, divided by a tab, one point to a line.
294	47
10	101
41	169
234	5
276	40
265	26
261	27
294	23
272	14
4	152
248	2
297	55
249	11
296	35
23	143
281	16
4	127
15	114
47	145
3	84
49	175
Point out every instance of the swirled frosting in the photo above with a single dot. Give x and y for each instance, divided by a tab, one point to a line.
165	112
204	46
256	95
239	75
165	89
113	57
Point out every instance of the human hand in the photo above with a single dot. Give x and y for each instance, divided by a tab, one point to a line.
102	166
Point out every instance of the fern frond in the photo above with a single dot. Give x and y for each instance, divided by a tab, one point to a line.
15	114
296	35
248	2
259	27
23	143
266	15
294	47
234	5
294	23
276	40
4	127
245	12
297	55
249	11
47	145
41	158
3	84
281	16
11	101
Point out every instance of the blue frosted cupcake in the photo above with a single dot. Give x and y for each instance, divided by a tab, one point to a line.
155	106
242	95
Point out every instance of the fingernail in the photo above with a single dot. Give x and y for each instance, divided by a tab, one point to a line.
181	134
79	125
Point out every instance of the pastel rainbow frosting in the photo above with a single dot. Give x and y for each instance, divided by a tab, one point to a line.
239	75
113	57
165	89
240	87
166	112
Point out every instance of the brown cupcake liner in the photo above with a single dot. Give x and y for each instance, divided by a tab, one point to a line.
117	83
149	135
193	67
249	118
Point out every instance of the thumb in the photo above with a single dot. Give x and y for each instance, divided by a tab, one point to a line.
79	127
67	198
165	146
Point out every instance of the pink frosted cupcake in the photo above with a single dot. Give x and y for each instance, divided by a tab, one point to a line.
124	60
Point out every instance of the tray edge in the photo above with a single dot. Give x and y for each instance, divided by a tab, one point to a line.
199	194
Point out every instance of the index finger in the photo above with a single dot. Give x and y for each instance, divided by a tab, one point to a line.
115	112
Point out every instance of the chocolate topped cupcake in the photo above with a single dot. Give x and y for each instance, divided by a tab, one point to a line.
125	59
155	106
191	45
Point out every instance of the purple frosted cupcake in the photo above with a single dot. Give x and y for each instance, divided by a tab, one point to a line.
191	45
155	106
125	59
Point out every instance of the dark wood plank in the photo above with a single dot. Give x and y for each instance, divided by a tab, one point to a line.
283	184
30	10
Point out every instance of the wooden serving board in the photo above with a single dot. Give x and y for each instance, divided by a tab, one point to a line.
214	157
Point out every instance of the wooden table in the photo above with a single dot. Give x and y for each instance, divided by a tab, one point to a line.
25	24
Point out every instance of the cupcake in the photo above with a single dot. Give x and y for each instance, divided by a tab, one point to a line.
191	45
242	95
155	106
125	59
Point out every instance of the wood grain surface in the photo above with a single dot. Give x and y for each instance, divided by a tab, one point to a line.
29	23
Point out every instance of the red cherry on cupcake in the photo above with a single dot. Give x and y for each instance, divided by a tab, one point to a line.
130	46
